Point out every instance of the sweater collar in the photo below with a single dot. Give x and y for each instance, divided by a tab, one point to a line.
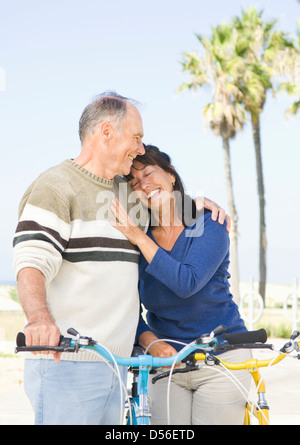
101	181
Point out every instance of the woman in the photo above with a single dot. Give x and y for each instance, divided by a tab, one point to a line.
184	288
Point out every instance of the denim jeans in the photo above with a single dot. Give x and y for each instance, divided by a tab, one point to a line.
73	393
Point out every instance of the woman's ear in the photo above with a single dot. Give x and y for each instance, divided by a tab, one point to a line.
173	179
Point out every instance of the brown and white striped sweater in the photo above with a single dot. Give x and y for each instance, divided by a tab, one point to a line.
91	269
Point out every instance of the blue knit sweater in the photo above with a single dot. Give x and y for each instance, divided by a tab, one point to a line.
186	291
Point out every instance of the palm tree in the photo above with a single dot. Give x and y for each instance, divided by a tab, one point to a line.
263	47
216	68
290	70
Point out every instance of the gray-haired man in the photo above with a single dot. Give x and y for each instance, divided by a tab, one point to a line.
74	269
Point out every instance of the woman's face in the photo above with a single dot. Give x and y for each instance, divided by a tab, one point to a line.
152	184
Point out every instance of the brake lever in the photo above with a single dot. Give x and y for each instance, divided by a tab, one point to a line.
209	338
188	368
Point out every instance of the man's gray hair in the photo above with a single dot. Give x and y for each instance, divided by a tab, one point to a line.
108	106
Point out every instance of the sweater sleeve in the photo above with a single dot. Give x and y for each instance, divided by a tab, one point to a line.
42	232
204	257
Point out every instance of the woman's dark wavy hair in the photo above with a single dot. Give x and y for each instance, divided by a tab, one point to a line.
153	156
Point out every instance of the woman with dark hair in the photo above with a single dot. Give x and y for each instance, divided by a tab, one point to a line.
154	157
184	287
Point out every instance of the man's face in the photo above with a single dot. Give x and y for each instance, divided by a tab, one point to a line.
126	145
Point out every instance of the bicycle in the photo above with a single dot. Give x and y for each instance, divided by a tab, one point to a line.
141	365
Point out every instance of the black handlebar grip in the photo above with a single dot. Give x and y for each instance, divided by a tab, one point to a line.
21	340
259	336
21	344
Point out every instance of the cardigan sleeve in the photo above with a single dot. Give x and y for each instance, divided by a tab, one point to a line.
204	257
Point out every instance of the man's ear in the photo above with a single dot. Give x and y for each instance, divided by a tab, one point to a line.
105	129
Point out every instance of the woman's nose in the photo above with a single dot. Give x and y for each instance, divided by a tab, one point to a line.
144	184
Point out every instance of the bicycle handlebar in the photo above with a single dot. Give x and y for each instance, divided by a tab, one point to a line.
71	345
207	342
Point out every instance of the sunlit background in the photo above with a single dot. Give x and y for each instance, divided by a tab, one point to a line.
56	55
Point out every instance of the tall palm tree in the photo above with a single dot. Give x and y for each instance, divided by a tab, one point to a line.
216	68
263	46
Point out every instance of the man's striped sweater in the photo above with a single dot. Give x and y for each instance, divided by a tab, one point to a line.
91	269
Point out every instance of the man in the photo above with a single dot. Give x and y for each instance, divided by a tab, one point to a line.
74	269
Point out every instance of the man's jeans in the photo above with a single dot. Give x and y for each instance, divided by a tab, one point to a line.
73	393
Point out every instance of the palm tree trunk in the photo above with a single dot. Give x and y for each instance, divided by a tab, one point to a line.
261	196
234	264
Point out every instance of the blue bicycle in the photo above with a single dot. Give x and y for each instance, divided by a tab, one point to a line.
141	364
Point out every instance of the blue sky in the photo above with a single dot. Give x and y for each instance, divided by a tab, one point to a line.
58	54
